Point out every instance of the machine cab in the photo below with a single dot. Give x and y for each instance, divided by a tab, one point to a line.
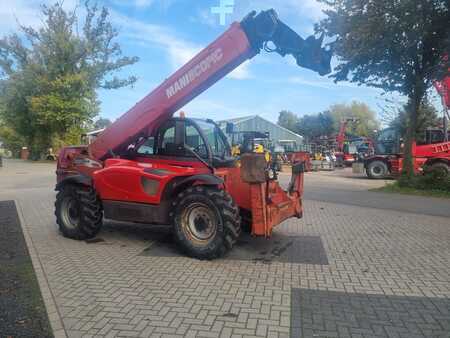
388	142
188	140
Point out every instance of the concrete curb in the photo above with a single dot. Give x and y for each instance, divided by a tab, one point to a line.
54	316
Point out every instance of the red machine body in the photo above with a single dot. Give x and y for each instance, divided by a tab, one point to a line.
427	157
183	176
343	157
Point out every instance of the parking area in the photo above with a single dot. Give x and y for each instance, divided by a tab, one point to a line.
359	264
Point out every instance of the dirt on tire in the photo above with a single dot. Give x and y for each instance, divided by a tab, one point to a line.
228	227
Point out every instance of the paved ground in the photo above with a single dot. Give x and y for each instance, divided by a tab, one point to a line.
373	267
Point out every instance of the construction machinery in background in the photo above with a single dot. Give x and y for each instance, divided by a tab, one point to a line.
149	167
432	154
344	155
245	142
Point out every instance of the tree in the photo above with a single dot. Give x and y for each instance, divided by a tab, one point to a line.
327	123
366	122
10	140
427	118
50	77
316	125
396	45
102	123
288	120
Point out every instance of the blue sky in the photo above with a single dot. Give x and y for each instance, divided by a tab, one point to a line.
165	34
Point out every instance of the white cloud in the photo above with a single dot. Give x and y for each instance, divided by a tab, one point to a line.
179	50
27	13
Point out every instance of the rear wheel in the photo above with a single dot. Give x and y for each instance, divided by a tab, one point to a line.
78	212
206	222
439	169
377	170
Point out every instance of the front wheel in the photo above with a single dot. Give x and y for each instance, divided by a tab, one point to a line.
377	170
78	212
206	222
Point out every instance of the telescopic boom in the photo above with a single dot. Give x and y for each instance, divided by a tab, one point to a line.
242	41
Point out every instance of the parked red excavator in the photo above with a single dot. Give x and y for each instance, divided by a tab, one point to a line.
149	167
432	155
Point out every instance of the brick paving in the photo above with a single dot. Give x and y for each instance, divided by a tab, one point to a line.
317	313
117	287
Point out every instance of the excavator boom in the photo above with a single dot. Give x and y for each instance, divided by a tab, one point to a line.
240	42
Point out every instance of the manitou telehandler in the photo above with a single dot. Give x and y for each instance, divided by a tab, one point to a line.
433	154
149	167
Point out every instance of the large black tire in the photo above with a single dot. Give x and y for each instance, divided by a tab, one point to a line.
78	212
206	222
440	169
377	170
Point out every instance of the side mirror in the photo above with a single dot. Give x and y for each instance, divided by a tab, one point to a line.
229	128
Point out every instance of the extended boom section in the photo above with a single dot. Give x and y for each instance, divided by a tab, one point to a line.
239	43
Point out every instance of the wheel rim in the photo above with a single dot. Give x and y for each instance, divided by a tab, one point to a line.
70	212
377	170
199	223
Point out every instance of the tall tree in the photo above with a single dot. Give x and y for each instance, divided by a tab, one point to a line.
288	120
428	117
396	45
365	123
316	125
102	123
50	77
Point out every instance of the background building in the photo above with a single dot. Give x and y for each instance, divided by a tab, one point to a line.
279	135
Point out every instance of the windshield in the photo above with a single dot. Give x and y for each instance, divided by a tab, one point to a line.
214	137
387	142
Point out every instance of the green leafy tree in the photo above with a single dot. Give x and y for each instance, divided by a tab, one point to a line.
427	118
365	123
10	140
50	77
102	123
313	126
288	120
396	45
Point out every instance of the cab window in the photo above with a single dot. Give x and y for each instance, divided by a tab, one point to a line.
147	148
194	140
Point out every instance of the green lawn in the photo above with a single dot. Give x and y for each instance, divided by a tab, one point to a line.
396	189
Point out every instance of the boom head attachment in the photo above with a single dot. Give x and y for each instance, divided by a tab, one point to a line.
266	27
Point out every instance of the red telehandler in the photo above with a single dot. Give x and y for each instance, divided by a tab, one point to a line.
433	154
149	167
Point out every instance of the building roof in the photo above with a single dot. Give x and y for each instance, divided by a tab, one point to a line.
243	119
